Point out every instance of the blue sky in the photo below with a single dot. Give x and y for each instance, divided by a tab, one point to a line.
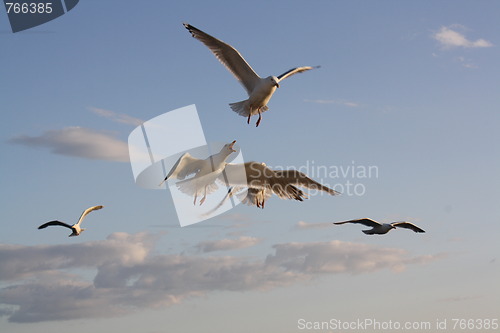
408	87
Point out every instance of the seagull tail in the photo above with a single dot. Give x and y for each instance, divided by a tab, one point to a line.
241	108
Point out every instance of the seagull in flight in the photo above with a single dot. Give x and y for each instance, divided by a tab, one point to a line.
205	172
382	228
77	230
258	89
262	182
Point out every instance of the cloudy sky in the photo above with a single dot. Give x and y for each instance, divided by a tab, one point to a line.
402	118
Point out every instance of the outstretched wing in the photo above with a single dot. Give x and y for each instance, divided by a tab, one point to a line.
298	178
367	222
407	225
185	165
45	225
229	57
259	177
86	212
295	71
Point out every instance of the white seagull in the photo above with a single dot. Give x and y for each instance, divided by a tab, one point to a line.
382	228
259	89
77	230
261	182
205	172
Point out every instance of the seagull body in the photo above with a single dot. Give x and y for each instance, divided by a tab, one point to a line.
75	228
382	228
261	182
260	90
205	172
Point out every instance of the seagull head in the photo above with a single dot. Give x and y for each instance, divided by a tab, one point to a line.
274	81
230	146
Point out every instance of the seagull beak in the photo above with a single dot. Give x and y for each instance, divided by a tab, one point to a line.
231	146
277	85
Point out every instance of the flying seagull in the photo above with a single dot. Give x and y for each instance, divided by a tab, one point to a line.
77	230
262	182
382	228
259	89
205	172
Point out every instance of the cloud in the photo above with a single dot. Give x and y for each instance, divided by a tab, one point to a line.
117	117
340	257
227	244
460	298
52	282
79	142
306	225
449	38
465	62
333	101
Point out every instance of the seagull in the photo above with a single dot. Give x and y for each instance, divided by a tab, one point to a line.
205	172
262	182
258	89
382	228
77	230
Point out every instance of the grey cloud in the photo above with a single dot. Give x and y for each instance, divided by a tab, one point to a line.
340	257
117	117
79	142
227	244
42	282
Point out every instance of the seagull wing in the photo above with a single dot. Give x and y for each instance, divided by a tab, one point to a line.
295	71
86	212
258	176
407	225
185	165
367	222
45	225
229	57
298	178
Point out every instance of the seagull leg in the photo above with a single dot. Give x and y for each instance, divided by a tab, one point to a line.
258	121
248	120
195	196
204	196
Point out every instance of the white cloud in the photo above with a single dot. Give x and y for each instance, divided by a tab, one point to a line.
227	244
117	117
333	101
41	282
307	225
79	142
449	38
460	298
